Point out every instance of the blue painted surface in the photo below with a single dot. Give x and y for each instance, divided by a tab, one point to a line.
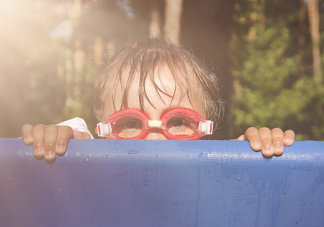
162	183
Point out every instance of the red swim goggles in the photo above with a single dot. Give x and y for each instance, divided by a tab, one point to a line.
175	124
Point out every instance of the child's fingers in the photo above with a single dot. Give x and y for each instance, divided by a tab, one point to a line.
277	141
38	141
266	142
50	142
27	134
252	135
85	135
289	137
240	138
63	136
80	135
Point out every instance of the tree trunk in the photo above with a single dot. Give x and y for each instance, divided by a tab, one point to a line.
301	38
313	18
110	48
79	56
155	20
98	50
172	24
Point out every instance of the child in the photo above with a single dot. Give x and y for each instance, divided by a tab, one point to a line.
152	90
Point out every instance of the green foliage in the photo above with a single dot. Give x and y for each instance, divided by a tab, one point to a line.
269	90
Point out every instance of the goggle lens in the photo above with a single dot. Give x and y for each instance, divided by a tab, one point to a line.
127	127
181	125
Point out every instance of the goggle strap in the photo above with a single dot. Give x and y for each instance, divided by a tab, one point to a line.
206	127
103	129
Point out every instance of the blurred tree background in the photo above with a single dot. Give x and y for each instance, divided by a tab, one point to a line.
266	53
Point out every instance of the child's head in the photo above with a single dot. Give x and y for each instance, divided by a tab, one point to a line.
155	75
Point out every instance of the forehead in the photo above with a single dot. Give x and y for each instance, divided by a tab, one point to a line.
159	90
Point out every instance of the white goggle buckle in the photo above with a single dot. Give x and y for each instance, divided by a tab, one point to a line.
206	127
103	129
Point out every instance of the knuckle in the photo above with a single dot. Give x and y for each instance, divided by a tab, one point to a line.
251	128
26	126
65	128
277	132
265	131
255	138
64	131
52	126
39	126
26	130
291	132
86	135
277	129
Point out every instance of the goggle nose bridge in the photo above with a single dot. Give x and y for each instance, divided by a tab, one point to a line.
154	123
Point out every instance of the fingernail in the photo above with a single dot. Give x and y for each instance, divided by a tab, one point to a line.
256	144
267	149
288	140
278	146
60	149
38	150
28	139
50	154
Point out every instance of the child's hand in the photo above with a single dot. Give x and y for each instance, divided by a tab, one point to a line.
50	140
271	142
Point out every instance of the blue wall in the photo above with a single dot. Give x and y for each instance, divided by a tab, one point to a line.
162	183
